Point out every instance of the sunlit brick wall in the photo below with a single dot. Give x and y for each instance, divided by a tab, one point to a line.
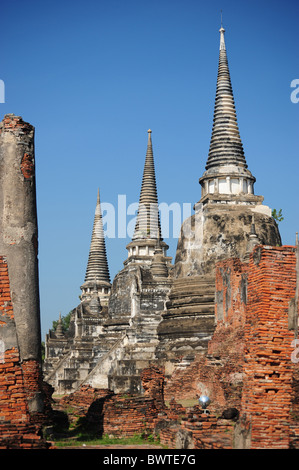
268	368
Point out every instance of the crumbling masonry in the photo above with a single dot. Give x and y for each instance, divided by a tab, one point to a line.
22	403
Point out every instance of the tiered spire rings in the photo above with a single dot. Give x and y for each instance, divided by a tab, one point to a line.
97	271
148	227
148	221
226	167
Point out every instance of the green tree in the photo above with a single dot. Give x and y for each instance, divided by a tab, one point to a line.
277	215
43	349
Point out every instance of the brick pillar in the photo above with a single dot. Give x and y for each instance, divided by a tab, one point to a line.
17	429
13	403
231	293
19	246
268	367
152	379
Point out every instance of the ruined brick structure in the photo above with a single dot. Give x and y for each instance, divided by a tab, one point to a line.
22	400
251	363
270	329
250	371
116	414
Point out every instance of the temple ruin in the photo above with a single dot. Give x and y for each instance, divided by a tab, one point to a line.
158	312
221	320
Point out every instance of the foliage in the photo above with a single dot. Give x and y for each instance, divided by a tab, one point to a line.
277	215
43	350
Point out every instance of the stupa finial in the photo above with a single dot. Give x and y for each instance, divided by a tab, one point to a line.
222	31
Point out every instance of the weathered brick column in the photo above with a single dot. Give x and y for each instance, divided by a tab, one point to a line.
268	368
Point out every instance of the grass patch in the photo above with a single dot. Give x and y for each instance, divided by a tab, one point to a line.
106	440
78	431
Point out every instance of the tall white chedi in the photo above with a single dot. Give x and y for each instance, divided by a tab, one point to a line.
222	224
226	167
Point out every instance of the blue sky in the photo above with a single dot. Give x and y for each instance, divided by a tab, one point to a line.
94	76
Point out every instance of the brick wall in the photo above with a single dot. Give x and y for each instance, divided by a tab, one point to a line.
219	373
123	416
194	430
249	368
209	431
27	166
81	400
111	414
117	414
248	365
268	368
17	428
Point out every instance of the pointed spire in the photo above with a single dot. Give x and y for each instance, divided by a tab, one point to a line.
226	168
97	266
147	228
59	329
148	221
225	146
222	31
222	41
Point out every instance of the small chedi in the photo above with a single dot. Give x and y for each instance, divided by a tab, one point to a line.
229	220
113	332
220	321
